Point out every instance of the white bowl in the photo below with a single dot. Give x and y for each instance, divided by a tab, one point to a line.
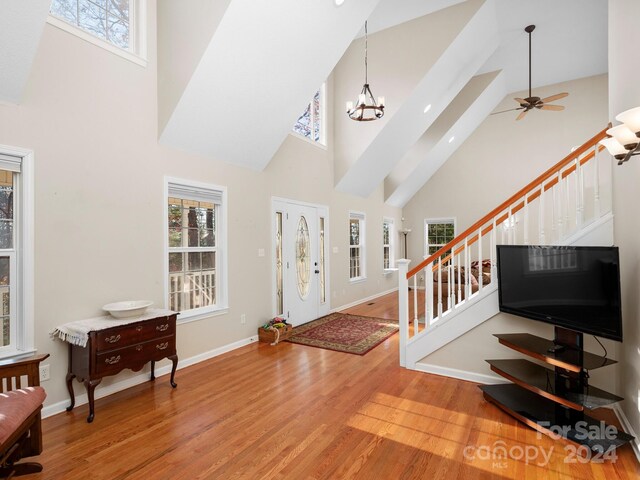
128	309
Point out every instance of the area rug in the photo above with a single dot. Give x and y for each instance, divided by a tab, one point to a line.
344	333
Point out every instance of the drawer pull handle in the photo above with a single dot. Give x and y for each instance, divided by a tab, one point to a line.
112	360
112	339
163	328
162	346
138	347
139	329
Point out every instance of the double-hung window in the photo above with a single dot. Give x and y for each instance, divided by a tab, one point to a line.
16	253
438	232
311	124
196	253
357	264
388	244
107	23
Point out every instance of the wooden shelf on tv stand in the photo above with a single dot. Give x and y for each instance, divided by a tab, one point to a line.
554	400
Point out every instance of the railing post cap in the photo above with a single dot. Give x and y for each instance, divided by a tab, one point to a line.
403	261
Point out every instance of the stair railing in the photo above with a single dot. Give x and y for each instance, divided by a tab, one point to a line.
554	205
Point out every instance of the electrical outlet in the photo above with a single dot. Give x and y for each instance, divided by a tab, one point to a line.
243	319
45	373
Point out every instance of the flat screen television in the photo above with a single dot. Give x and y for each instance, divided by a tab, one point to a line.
572	287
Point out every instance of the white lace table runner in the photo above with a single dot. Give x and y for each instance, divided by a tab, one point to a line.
77	333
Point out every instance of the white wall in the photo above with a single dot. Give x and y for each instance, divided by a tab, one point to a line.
624	93
498	159
91	119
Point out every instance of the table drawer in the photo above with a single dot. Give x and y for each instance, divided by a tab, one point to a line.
135	356
134	333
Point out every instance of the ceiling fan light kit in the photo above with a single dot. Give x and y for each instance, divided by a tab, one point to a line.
531	102
366	108
624	140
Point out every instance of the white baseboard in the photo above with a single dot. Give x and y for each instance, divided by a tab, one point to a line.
363	300
82	399
459	374
627	428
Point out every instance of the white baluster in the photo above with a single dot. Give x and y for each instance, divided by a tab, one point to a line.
459	281
493	251
567	200
541	234
510	224
480	259
561	226
439	287
428	275
415	304
596	182
453	301
525	214
449	287
467	282
578	194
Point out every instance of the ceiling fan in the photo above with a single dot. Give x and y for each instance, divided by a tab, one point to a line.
531	102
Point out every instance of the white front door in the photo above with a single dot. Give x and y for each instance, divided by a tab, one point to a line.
303	274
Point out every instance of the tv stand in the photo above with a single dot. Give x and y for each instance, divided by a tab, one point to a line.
554	400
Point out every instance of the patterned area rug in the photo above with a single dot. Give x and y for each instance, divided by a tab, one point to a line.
344	333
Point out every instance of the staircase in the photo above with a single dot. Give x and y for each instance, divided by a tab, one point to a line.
568	204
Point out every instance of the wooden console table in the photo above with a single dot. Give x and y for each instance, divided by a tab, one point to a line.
111	350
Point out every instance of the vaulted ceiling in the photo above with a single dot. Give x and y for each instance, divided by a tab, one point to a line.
233	75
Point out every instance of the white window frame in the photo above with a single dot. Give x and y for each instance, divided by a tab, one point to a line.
428	221
22	272
137	52
222	285
362	219
322	142
391	245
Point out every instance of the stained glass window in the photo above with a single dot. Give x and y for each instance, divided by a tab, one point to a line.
279	278
310	124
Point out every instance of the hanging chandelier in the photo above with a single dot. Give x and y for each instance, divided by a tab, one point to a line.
366	108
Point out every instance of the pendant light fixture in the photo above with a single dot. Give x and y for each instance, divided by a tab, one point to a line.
366	108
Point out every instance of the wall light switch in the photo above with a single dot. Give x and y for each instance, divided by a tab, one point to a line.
335	249
261	252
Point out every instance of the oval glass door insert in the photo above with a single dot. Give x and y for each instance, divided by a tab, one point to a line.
303	260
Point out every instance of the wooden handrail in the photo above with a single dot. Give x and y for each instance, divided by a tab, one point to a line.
511	200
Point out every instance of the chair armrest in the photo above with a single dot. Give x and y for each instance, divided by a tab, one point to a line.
29	367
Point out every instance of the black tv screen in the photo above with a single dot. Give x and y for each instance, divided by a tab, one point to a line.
573	287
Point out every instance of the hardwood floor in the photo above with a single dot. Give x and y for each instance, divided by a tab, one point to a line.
296	412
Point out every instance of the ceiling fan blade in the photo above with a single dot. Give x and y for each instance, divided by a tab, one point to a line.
505	111
521	101
555	108
555	97
521	116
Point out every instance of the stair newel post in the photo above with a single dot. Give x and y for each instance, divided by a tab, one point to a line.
439	287
480	256
541	216
596	182
428	295
415	304
403	307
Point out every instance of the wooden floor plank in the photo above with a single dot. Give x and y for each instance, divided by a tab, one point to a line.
296	412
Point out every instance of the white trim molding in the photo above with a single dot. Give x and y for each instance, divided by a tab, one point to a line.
474	377
363	300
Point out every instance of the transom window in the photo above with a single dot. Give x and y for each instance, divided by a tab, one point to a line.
388	237
195	248
357	270
438	232
310	124
105	19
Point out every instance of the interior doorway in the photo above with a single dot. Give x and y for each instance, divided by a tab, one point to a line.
300	260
